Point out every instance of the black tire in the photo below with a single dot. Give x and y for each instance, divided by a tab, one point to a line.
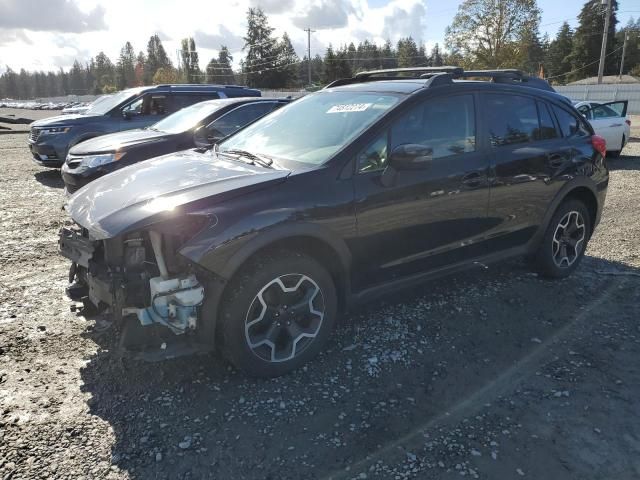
254	298
546	260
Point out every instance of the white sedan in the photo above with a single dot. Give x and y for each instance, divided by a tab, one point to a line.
609	120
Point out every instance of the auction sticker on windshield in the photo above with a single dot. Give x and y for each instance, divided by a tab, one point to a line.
349	107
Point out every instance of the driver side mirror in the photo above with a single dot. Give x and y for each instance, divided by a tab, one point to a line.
411	156
204	137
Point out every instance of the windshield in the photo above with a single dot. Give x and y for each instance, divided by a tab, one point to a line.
187	118
312	129
105	104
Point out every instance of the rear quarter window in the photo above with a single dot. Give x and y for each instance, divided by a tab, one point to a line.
570	124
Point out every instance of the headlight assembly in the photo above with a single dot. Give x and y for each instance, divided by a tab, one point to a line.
93	161
55	130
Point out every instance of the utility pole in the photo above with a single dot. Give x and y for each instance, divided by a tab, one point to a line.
309	32
603	50
624	51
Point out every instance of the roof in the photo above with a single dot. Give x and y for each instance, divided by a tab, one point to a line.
608	80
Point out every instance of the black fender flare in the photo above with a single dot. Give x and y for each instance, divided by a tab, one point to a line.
563	193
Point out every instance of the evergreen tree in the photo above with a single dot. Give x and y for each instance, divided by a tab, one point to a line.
587	41
190	64
330	65
77	84
408	55
435	58
213	71
261	51
388	56
287	62
558	59
156	58
126	75
139	69
632	54
225	60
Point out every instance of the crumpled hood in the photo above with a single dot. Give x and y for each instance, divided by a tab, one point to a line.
163	188
63	120
115	141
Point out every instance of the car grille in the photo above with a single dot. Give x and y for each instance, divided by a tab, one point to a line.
34	134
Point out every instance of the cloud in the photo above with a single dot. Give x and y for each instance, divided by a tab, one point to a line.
273	6
14	36
215	40
50	16
163	36
402	22
325	14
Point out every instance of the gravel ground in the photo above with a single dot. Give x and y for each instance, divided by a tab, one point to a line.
495	373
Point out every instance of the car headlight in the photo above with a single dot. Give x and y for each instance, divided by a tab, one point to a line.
93	161
55	130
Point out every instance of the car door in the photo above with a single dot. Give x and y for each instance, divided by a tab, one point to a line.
608	121
414	221
527	152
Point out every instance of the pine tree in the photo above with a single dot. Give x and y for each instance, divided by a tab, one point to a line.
126	75
330	66
213	71
287	62
587	41
388	56
261	51
558	59
225	60
407	53
139	69
156	58
632	55
190	63
435	58
77	79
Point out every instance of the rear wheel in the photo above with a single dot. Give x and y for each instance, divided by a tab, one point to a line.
279	312
565	240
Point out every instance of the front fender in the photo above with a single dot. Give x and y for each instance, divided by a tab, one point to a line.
226	251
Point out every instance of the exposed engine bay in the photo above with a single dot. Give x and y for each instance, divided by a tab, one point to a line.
135	275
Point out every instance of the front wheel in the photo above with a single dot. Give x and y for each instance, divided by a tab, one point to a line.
279	313
565	240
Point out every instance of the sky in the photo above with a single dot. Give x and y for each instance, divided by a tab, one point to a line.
49	34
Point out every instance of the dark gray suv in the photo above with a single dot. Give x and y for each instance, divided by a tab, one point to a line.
50	139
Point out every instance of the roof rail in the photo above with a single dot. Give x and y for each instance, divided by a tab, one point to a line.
435	76
391	72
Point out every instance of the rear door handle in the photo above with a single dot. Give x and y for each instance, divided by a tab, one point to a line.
472	179
556	160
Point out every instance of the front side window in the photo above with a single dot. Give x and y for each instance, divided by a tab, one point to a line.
570	124
445	125
511	119
603	111
153	105
238	118
312	129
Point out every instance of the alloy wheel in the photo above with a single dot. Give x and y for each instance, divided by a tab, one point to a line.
284	317
568	239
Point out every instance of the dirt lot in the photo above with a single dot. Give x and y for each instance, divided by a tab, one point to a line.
493	374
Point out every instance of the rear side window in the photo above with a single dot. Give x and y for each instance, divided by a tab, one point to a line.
570	124
547	128
511	119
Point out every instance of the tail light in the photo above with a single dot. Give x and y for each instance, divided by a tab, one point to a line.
600	144
628	122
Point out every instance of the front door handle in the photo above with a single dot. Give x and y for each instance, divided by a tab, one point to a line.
472	179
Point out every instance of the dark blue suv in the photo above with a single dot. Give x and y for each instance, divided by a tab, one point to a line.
50	139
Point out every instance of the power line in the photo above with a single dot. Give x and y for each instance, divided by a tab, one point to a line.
584	66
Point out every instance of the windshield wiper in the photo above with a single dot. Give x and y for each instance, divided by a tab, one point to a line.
260	160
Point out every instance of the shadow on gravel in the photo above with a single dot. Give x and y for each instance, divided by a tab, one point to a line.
624	162
50	178
389	368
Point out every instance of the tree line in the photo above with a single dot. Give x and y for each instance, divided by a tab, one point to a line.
483	34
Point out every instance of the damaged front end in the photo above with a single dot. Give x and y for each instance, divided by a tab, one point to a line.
139	277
